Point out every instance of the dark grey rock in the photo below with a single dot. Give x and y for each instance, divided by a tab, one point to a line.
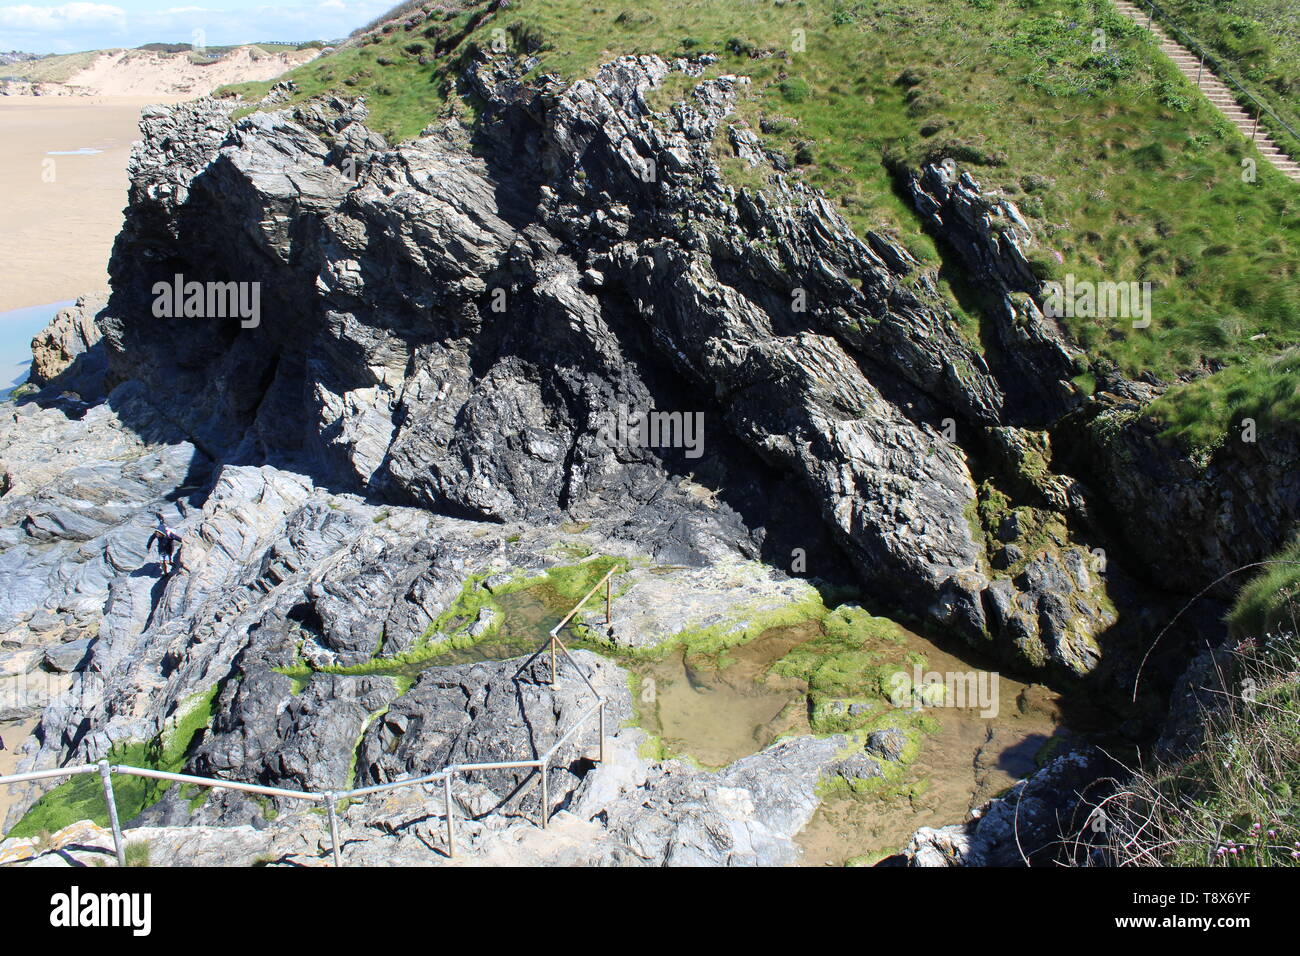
888	743
66	658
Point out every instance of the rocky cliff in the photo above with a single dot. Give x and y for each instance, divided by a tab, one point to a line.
449	330
451	323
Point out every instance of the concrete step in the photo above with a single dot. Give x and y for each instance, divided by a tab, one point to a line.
1220	95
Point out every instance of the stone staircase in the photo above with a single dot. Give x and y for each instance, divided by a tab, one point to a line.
1218	92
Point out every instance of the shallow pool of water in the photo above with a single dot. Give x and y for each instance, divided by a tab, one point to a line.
17	327
716	715
527	618
715	709
969	760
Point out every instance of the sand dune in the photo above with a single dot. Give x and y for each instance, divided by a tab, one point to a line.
145	73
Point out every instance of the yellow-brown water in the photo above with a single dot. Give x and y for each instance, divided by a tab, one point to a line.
969	760
716	715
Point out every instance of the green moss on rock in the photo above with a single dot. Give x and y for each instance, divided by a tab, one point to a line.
82	797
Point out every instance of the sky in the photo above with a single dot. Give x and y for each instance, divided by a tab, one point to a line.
62	27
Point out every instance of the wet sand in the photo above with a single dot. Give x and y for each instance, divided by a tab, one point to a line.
14	734
56	236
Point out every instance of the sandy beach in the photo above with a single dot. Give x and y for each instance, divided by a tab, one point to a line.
63	176
13	734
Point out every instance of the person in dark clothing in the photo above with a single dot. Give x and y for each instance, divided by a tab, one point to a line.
169	546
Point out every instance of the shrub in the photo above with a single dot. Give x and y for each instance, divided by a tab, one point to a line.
795	90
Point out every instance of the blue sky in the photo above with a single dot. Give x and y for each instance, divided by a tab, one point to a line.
66	27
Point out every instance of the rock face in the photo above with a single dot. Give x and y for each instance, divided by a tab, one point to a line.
70	334
474	336
1033	356
1046	820
1217	511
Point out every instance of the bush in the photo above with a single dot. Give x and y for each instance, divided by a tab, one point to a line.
794	90
527	38
741	47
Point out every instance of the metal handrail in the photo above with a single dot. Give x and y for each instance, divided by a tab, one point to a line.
1217	67
331	798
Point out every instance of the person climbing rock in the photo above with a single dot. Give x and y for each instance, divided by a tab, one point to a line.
169	546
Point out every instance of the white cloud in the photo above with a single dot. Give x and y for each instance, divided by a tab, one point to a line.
63	28
68	16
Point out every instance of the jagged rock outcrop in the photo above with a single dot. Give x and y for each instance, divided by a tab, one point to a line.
71	333
1218	510
1053	817
992	239
457	333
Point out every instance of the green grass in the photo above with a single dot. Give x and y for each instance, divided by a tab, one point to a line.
1123	170
82	797
403	94
1269	601
1260	42
1203	414
138	853
1235	801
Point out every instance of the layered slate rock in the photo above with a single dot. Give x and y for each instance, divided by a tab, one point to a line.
458	333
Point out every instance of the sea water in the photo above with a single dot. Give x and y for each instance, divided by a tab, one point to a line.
17	327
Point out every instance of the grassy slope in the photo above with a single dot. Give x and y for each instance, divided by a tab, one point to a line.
1124	171
52	69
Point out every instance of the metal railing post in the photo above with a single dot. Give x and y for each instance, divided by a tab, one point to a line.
609	601
552	658
106	775
1199	70
451	826
330	800
1254	129
601	755
546	799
